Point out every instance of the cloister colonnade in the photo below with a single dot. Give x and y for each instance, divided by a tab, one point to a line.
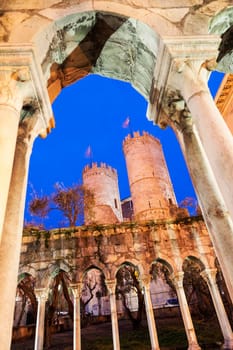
166	52
107	248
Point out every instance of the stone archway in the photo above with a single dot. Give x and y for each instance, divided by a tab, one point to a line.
112	46
25	95
202	291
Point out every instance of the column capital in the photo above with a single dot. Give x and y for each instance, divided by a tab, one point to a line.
179	63
189	77
145	280
29	128
111	285
209	275
14	85
175	112
41	294
177	279
22	82
76	289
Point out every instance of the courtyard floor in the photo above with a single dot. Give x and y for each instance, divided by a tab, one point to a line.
98	337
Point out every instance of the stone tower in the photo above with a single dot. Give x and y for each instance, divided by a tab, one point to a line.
150	185
103	182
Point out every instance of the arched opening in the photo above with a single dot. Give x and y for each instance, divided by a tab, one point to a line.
95	309
101	43
224	293
98	124
165	302
25	303
59	306
162	291
200	302
94	303
58	72
125	50
131	308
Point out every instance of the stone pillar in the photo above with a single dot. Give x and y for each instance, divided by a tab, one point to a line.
209	276
111	285
76	290
12	89
188	323
13	227
216	215
150	314
41	296
191	79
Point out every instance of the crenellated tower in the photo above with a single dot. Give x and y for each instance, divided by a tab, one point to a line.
150	184
103	182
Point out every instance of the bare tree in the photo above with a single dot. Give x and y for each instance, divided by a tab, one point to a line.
71	201
196	290
191	204
59	286
128	282
26	290
89	290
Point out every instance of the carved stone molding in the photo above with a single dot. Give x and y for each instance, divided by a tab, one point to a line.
146	280
177	279
14	83
41	294
29	129
22	80
111	285
174	53
175	112
209	275
76	289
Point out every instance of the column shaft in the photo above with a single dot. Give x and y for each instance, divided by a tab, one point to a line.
217	218
217	142
114	319
188	323
150	318
190	78
9	119
76	290
14	87
209	276
11	238
40	319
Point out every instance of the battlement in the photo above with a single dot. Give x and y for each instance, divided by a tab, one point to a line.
137	134
94	167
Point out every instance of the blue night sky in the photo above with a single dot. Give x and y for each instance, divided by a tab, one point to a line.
91	112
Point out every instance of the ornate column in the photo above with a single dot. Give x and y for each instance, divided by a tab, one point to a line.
13	226
180	77
150	314
188	323
216	215
41	296
12	90
209	276
111	285
21	82
76	291
190	78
